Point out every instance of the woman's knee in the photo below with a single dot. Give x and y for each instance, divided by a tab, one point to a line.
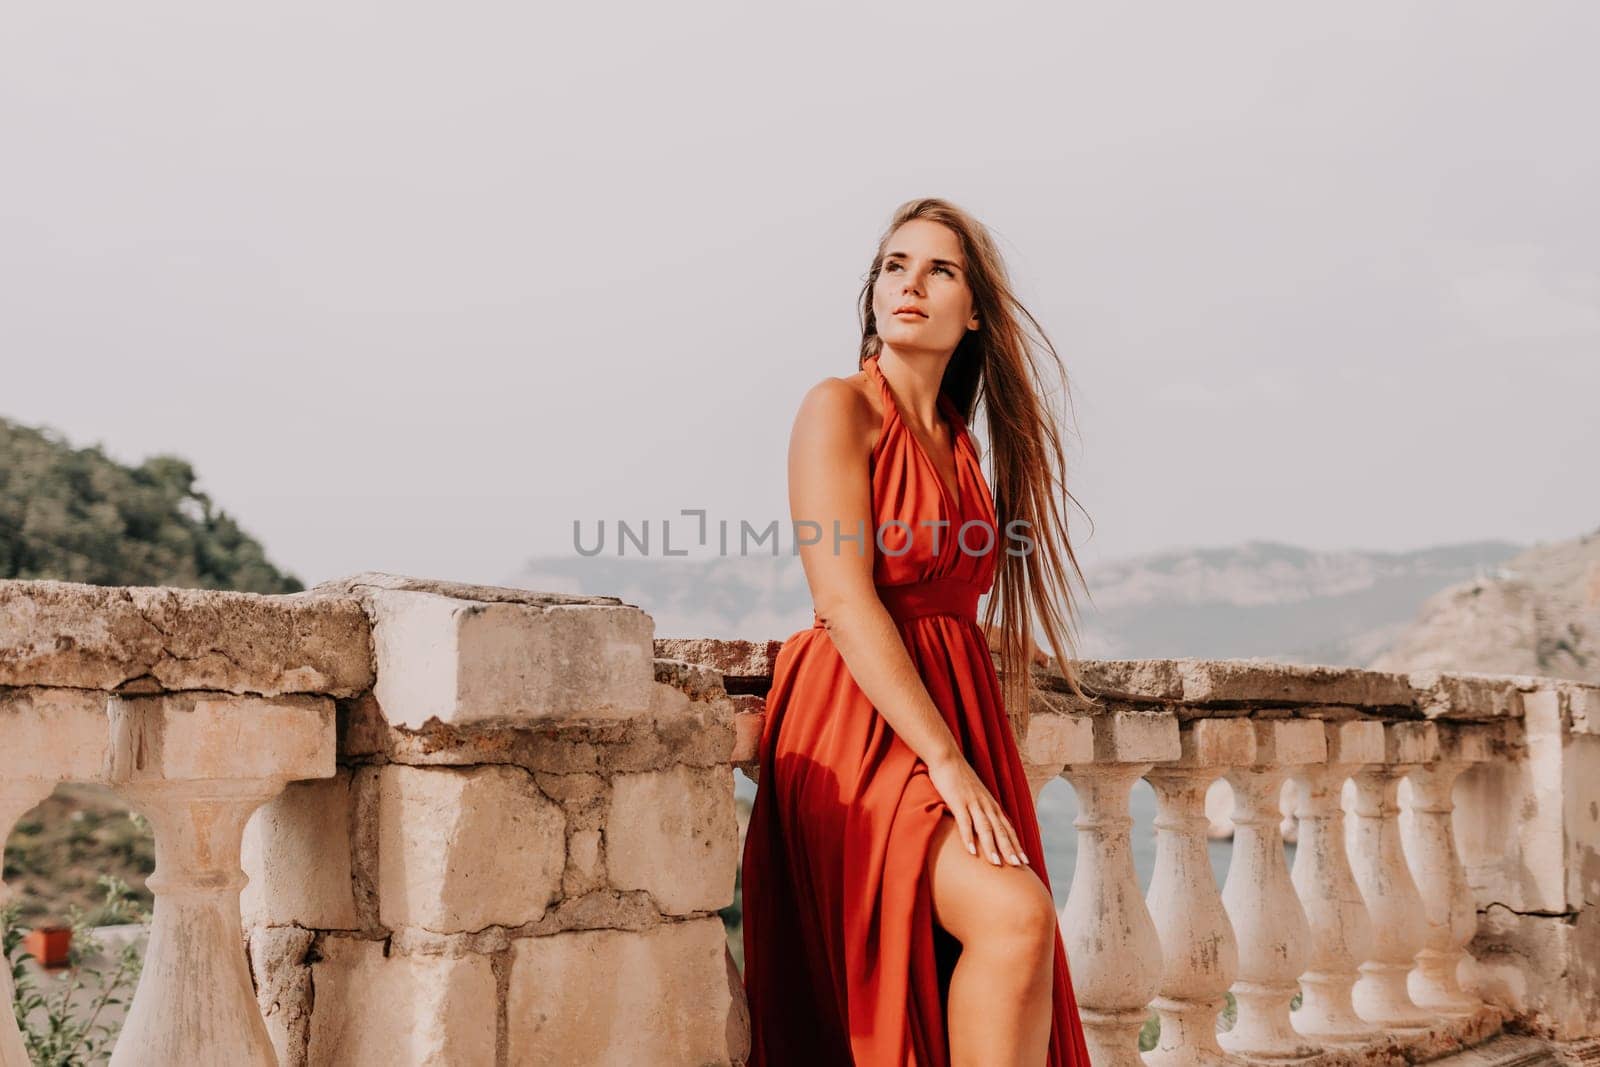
977	901
1026	914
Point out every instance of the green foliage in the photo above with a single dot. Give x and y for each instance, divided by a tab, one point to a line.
76	515
59	850
72	1019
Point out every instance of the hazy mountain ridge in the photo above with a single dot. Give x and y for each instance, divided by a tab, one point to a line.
1261	598
1538	614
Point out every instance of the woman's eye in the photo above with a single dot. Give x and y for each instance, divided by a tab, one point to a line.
943	268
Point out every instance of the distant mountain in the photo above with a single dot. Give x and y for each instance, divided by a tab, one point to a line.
1537	614
1259	599
1271	600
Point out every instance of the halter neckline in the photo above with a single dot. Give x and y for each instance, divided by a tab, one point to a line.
956	500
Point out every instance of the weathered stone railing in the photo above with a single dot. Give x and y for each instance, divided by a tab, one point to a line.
197	708
496	827
505	837
1450	901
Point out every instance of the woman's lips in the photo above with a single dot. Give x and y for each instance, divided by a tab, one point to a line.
910	315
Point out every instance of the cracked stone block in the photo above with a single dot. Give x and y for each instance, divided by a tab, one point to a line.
401	1010
463	849
1260	682
1057	739
465	661
107	637
296	854
585	871
1290	742
283	988
207	736
1221	743
657	996
1135	737
674	833
52	734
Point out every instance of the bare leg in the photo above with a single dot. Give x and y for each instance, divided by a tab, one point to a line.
1000	992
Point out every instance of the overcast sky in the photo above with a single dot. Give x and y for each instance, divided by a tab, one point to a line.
416	286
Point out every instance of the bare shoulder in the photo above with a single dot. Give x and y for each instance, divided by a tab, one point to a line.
839	410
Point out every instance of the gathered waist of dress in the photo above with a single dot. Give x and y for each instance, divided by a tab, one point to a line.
937	596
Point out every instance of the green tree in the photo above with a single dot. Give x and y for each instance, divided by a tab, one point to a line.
77	515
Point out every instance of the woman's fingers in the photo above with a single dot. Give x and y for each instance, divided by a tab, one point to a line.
1006	836
985	833
964	825
998	835
1021	857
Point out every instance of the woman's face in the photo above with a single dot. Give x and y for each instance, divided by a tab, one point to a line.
923	268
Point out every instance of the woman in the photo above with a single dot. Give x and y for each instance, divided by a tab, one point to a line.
896	909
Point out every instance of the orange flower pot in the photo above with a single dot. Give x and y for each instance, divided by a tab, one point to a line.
49	945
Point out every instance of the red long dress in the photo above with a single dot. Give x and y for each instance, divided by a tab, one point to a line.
844	962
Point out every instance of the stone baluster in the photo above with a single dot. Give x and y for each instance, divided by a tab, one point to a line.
1107	931
1055	738
1267	919
51	735
1198	950
1372	839
197	766
1341	935
1430	848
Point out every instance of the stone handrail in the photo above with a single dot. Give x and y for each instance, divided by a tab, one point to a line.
490	826
1404	943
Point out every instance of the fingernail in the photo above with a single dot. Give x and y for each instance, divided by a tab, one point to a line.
972	849
1025	858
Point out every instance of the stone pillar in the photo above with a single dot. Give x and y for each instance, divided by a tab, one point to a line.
1393	903
1430	846
197	765
1261	902
1336	916
1198	952
1106	928
1528	827
51	735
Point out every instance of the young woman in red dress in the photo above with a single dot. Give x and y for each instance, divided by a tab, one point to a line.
896	906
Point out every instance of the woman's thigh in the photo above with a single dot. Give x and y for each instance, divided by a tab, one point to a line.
973	898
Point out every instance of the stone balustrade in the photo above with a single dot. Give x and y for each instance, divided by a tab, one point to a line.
407	822
197	708
1441	897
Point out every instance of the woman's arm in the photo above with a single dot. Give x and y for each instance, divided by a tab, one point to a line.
830	486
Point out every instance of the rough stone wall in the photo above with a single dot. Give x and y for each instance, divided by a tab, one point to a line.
1529	834
523	853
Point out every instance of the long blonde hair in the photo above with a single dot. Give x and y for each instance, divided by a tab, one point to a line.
999	364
